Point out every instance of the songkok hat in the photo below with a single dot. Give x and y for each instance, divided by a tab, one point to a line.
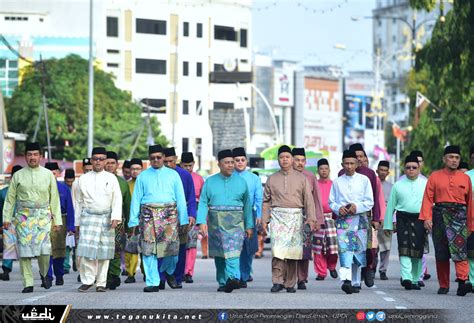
298	152
187	157
32	146
69	173
323	161
52	166
224	154
126	164
16	168
86	161
411	159
135	161
349	154
169	152
356	147
284	149
99	151
238	152
417	153
463	165
112	155
155	149
452	150
384	163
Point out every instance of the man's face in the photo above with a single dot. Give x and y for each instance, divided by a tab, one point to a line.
412	170
98	162
111	165
451	161
156	160
56	173
323	171
240	163
188	166
135	170
170	161
69	181
421	162
383	172
350	165
226	165
33	158
126	173
299	162
86	169
285	160
360	157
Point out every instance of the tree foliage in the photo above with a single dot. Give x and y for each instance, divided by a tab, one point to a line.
444	73
117	119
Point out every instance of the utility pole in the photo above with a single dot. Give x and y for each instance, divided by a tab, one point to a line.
175	81
90	133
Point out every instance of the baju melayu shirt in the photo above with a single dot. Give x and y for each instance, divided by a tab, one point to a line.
387	189
220	190
316	195
471	176
198	184
67	206
406	196
160	186
354	189
33	185
325	188
254	185
189	193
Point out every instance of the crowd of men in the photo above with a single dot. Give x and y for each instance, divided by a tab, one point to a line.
156	216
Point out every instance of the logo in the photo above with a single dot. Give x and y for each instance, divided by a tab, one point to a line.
36	316
380	316
370	316
222	316
360	316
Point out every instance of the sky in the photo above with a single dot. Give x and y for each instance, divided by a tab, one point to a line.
307	31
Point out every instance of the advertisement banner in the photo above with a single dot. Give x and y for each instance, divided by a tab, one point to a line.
283	87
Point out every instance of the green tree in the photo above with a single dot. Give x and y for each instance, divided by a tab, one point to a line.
117	119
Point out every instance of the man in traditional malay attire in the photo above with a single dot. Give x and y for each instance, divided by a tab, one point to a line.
299	163
69	178
470	241
188	185
254	184
351	199
127	175
225	202
99	204
451	219
325	245
187	162
58	239
8	236
405	198
159	207
287	198
32	201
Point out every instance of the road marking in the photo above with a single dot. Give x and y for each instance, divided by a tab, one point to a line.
389	299
380	292
34	299
400	307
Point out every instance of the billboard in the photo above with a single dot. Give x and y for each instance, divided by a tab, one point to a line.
283	87
355	119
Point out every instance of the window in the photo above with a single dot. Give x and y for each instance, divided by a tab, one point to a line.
244	61
13	64
185	29
12	73
198	108
199	30
219	68
185	68
148	26
198	69
112	27
157	105
224	33
150	66
185	142
185	107
113	51
243	38
223	105
112	65
2	63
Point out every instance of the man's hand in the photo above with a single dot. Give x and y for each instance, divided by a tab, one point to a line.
192	222
387	233
77	231
249	233
353	209
70	233
428	225
258	222
264	228
343	211
56	228
114	224
203	230
6	225
376	225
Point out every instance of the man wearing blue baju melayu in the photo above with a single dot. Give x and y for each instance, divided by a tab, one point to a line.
254	185
159	207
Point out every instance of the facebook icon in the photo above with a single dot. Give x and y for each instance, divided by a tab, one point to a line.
222	316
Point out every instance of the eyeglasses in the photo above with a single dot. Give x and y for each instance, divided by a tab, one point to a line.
239	160
98	159
411	167
156	157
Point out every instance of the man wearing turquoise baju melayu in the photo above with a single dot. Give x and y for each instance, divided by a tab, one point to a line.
226	204
470	240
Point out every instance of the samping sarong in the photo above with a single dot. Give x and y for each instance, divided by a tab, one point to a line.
58	240
352	238
372	241
384	241
251	245
450	231
183	231
159	230
120	237
10	243
192	237
32	222
286	233
96	236
226	231
470	246
325	239
411	235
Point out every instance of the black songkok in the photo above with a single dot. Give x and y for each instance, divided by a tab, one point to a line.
135	161
187	157
112	155
411	159
417	153
169	152
238	152
384	163
298	152
52	166
32	146
224	154
349	154
323	161
69	173
155	149
99	151
284	149
356	147
452	150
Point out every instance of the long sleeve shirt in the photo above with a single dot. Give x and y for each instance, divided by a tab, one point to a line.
126	199
219	190
318	208
34	185
189	193
98	191
354	189
198	184
445	186
161	185
406	196
325	188
254	185
3	196
131	185
67	207
387	189
288	190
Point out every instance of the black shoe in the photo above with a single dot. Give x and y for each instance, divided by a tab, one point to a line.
113	283
301	285
188	279
415	286
291	290
46	282
320	278
144	277
421	283
204	257
276	288
151	289
250	279
162	284
369	278
243	284
347	287
74	266
5	276
221	289
333	273
443	291
180	284
59	281
78	278
124	273
426	276
100	289
407	284
28	289
231	285
356	289
130	280
171	280
383	275
463	288
84	288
